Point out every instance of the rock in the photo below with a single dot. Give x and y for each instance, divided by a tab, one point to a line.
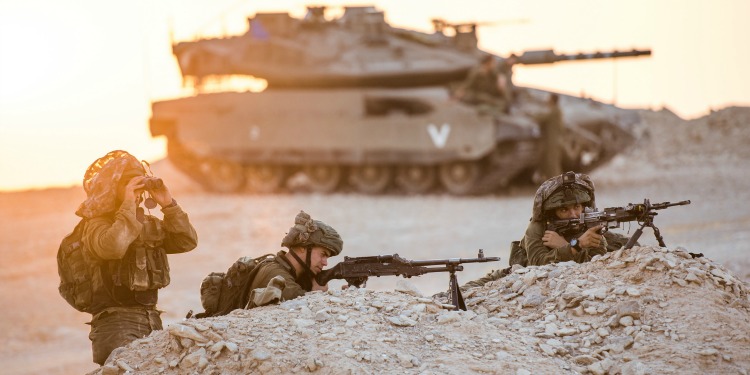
708	352
448	317
600	368
584	360
188	332
322	315
596	293
626	321
109	369
302	323
407	360
567	332
402	321
232	347
407	287
547	349
691	277
191	360
529	278
261	355
635	368
628	308
633	292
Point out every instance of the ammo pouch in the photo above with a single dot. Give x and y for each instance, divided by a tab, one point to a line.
146	260
517	254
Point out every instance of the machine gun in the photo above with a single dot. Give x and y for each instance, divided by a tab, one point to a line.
612	217
356	270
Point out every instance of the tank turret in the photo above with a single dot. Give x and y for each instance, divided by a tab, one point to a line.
355	103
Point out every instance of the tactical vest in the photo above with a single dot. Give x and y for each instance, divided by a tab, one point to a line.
135	279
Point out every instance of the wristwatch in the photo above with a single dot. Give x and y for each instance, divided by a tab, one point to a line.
574	244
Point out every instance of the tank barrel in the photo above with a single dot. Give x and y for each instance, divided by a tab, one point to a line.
549	56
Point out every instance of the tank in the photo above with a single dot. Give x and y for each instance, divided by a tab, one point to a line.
353	103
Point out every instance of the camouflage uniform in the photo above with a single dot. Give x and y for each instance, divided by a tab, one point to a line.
130	252
530	251
506	68
305	233
551	194
551	127
480	88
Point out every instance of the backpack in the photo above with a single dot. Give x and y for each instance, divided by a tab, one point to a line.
75	267
222	292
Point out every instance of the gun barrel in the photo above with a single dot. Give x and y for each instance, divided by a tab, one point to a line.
549	56
451	261
659	206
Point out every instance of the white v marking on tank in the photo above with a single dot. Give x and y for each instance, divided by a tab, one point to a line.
439	136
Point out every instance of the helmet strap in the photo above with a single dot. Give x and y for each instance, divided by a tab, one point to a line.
305	281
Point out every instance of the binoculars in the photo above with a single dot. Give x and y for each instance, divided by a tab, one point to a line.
152	183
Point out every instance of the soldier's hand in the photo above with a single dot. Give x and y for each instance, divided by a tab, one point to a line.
161	195
133	188
553	240
591	238
316	286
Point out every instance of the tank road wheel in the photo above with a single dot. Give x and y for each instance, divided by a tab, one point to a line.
323	178
264	179
370	179
222	176
459	177
415	179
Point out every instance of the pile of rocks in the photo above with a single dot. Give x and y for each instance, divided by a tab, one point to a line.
611	315
637	311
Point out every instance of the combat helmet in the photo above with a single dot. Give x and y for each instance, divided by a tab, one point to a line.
308	232
565	189
101	179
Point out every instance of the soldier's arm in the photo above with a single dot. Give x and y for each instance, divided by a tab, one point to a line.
537	253
466	84
587	253
109	239
180	234
291	290
491	276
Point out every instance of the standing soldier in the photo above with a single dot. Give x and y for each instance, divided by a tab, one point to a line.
128	249
506	77
550	126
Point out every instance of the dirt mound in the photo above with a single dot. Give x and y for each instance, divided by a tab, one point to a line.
673	146
638	311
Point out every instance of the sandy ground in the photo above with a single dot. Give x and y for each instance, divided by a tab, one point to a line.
702	160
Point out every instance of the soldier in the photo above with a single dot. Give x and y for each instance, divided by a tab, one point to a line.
128	249
506	77
290	274
551	127
484	86
561	197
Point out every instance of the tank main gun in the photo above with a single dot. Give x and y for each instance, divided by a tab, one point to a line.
550	57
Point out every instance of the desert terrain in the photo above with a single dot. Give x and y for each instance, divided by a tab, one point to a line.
703	160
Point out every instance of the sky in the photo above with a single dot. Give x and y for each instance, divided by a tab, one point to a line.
77	77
